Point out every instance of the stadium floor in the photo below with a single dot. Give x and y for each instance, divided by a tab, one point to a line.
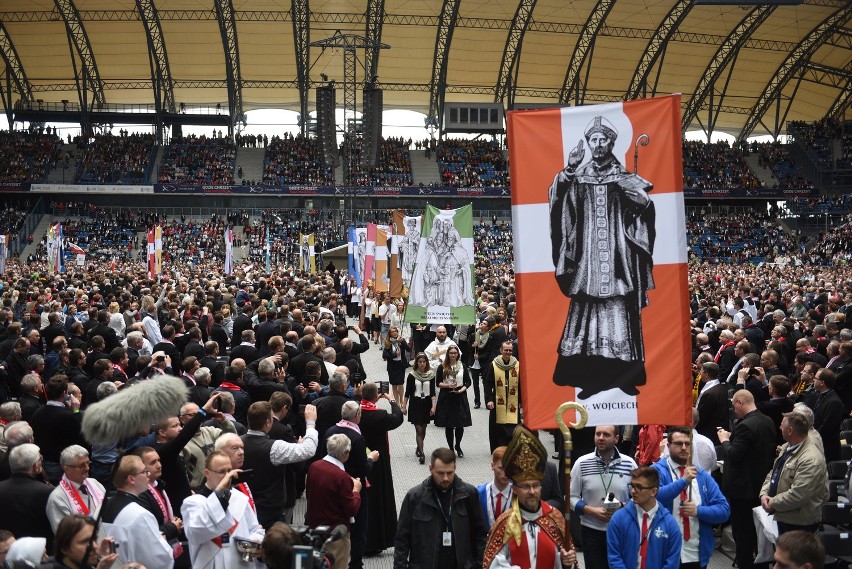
473	468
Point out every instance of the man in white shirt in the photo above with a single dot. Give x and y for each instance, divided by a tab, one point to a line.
437	350
217	515
495	496
76	492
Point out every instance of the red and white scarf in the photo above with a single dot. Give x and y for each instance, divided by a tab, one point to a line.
163	502
243	487
78	505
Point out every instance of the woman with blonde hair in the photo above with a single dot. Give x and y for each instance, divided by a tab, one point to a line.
116	319
396	353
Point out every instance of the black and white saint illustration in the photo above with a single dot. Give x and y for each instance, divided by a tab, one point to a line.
602	236
408	243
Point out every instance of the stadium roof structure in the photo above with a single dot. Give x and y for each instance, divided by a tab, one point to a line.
742	69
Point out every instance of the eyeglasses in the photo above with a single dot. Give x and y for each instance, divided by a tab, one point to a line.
639	487
188	414
83	466
146	472
528	487
220	472
681	444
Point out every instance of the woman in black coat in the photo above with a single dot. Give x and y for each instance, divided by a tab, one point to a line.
453	410
420	400
397	353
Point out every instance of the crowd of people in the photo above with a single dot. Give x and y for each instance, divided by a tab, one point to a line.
251	349
819	139
109	159
716	165
193	241
393	163
472	163
12	215
776	158
295	160
198	160
746	236
28	156
284	227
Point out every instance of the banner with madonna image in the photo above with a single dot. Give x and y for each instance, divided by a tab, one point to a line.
601	262
441	290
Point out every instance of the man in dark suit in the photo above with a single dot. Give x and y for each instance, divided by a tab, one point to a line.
30	399
828	413
168	347
297	364
211	362
329	406
16	365
102	329
778	404
748	453
56	426
726	357
218	333
24	496
264	331
241	323
245	350
714	407
194	347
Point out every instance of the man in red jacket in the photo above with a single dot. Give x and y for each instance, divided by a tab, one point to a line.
333	496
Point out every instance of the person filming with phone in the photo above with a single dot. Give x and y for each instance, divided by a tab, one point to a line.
218	515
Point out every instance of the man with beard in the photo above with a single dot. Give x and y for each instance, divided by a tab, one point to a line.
531	533
602	234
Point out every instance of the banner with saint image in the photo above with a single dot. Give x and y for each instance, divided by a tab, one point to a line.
600	262
441	290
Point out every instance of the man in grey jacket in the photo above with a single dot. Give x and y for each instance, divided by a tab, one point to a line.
797	485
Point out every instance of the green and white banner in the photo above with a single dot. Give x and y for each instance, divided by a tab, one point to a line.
441	290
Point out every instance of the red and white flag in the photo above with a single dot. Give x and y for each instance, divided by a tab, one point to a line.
601	262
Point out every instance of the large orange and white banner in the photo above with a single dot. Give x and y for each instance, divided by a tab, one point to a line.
601	262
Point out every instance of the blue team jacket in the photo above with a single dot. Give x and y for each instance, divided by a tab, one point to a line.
714	508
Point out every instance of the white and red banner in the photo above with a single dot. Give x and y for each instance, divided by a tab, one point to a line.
229	251
369	255
155	251
601	262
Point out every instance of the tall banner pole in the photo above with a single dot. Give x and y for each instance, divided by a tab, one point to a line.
568	447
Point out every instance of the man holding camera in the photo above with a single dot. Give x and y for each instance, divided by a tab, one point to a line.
334	496
218	515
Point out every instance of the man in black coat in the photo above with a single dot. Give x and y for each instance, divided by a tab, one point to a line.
264	331
102	329
241	323
24	496
245	350
211	362
218	333
168	347
714	407
726	357
778	404
421	525
329	406
30	399
297	364
375	425
748	453
194	346
16	365
829	412
56	426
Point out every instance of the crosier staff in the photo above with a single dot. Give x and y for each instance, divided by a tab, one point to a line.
567	448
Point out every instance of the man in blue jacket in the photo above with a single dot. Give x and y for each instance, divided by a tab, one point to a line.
693	498
642	534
